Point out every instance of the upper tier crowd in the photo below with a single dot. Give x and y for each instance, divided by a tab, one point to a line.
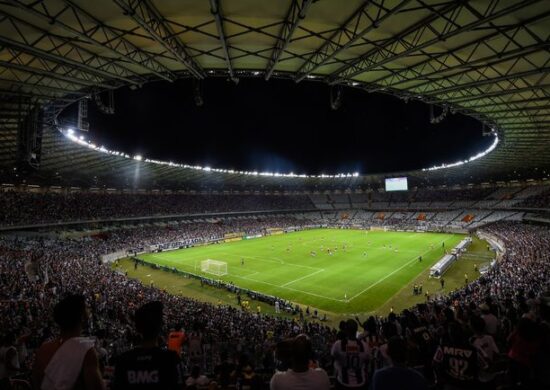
20	208
28	208
495	330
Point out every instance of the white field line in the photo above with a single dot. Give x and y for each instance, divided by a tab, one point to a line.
303	277
276	285
393	272
276	260
290	288
317	271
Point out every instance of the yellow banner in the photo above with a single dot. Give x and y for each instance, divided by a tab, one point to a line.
233	239
233	235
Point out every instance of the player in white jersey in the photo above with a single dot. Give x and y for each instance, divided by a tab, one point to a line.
351	357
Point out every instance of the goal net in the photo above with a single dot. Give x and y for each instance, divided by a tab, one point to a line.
214	267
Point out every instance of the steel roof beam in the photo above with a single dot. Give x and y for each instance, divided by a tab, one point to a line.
468	66
497	93
523	101
510	109
148	17
114	42
53	75
12	93
296	13
355	64
61	60
40	87
494	80
349	30
215	9
441	67
92	61
388	53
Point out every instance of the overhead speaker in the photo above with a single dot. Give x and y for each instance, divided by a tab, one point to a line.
29	139
198	93
336	96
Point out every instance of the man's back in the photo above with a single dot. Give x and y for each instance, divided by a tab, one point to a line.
350	360
148	368
312	379
398	378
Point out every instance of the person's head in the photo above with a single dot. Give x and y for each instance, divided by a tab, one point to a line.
301	352
485	309
351	329
70	313
8	339
397	350
477	324
283	353
370	325
195	372
342	326
456	334
389	329
148	319
528	329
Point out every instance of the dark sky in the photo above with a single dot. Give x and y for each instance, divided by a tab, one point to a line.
280	126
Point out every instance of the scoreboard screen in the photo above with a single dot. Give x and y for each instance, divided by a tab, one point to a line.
397	184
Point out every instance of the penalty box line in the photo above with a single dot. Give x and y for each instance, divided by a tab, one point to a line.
397	270
289	288
303	277
279	286
276	260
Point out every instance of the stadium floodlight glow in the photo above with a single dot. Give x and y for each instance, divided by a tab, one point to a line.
80	140
473	158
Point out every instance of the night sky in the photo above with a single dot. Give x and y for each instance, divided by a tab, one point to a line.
280	126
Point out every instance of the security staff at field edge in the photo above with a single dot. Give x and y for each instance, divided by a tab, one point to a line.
148	366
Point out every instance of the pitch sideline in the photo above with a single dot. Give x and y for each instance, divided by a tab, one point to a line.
393	272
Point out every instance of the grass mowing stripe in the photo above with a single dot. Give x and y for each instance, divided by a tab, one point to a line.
285	266
397	270
291	289
303	277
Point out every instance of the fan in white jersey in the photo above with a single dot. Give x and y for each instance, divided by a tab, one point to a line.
351	357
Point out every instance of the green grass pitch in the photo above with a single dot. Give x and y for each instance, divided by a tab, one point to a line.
357	279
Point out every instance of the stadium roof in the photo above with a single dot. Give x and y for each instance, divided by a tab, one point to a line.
488	59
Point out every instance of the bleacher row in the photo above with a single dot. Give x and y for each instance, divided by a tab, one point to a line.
454	219
436	207
535	196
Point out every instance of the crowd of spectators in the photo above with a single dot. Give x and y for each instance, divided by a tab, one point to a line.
430	195
21	208
539	201
30	208
495	330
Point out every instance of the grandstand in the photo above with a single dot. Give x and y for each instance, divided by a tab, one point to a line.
321	251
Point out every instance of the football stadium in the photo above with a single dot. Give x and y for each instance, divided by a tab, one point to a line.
290	194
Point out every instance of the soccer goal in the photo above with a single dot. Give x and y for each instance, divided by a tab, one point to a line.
214	267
